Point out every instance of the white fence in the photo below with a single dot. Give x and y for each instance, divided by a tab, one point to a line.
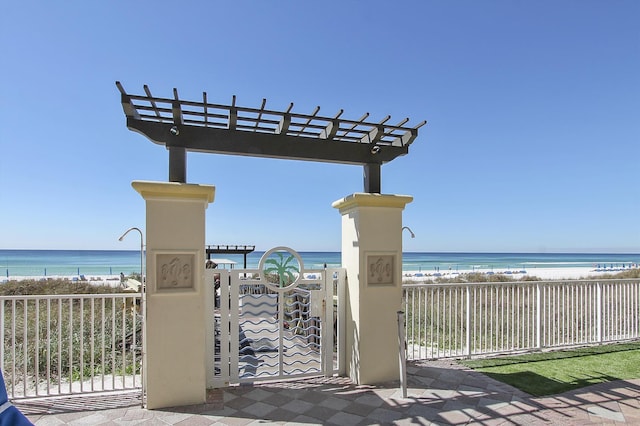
65	344
456	320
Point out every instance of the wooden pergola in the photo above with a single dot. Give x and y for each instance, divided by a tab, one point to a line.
201	126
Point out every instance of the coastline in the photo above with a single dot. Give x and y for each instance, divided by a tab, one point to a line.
108	280
545	274
101	266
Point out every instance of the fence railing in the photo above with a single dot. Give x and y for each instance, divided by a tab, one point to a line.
66	344
454	320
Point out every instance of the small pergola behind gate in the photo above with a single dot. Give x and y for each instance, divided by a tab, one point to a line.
274	322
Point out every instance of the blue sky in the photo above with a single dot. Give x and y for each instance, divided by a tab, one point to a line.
533	109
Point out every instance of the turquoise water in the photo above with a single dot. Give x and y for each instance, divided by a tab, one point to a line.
112	262
68	262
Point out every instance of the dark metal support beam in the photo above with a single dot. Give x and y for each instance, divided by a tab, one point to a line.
177	164
177	154
372	178
255	144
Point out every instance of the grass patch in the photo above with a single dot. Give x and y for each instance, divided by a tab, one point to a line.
548	373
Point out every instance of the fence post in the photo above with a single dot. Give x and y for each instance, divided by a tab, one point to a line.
210	324
599	310
402	352
468	325
342	320
538	316
2	335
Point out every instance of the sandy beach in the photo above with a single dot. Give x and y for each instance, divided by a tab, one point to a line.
574	273
109	280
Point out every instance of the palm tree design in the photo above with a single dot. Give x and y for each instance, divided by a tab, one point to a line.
282	268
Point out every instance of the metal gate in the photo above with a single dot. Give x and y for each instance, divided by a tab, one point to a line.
278	321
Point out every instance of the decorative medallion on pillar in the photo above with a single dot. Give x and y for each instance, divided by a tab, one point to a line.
175	272
380	269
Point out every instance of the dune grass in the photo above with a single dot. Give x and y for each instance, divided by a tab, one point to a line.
477	277
53	286
548	373
57	337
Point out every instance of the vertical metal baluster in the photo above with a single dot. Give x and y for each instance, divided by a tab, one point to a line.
539	316
37	343
70	344
413	320
431	319
449	320
92	341
134	336
81	343
113	342
103	360
486	318
468	319
13	347
501	324
455	324
513	292
25	345
570	309
437	327
60	372
599	311
124	336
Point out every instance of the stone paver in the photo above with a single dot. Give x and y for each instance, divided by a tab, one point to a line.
439	392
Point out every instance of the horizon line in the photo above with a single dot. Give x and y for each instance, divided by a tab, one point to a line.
634	251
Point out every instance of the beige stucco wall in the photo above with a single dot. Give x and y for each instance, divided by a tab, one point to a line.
372	228
175	357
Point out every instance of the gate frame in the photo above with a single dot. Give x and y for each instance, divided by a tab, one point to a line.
333	281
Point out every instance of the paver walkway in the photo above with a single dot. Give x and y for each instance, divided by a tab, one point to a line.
439	392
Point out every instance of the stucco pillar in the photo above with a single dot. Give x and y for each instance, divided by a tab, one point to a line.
175	357
372	256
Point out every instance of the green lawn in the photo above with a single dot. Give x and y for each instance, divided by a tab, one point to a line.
548	373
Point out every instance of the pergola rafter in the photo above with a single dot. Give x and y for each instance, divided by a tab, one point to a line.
201	126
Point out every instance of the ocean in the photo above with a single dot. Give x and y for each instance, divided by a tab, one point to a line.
112	262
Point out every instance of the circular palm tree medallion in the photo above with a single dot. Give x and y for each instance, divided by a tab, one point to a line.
281	267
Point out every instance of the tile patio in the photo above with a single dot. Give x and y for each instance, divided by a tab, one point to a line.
439	393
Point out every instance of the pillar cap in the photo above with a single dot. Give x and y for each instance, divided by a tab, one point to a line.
362	199
189	191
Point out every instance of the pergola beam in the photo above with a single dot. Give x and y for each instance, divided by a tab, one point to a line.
254	144
182	126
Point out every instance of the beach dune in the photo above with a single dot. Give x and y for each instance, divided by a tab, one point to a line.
572	273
